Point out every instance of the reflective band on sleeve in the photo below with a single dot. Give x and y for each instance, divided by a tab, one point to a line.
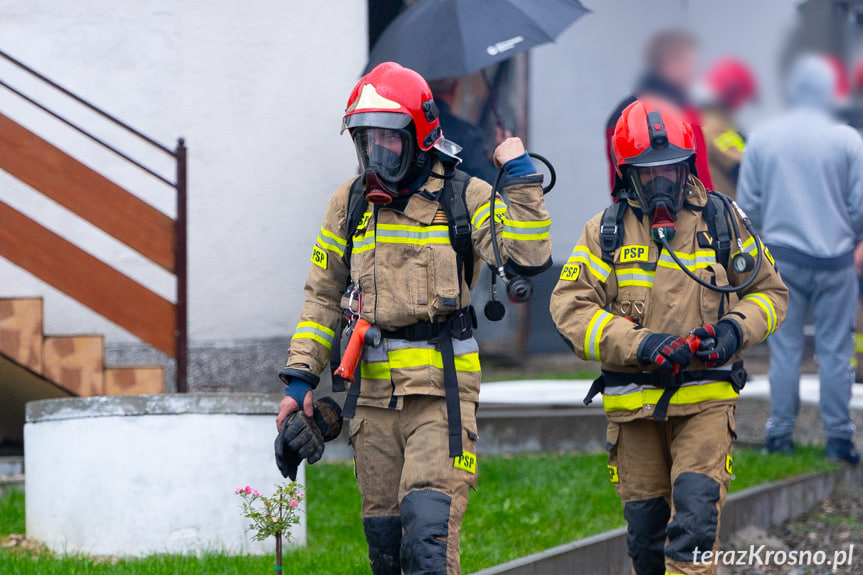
767	307
730	139
311	330
683	396
594	334
634	277
513	230
698	260
600	269
330	241
481	215
415	235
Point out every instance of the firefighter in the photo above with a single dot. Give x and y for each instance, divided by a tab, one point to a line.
730	85
628	302
409	261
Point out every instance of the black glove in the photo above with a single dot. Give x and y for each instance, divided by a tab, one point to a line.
719	342
664	350
328	417
298	439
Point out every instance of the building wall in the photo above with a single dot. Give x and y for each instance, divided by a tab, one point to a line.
257	89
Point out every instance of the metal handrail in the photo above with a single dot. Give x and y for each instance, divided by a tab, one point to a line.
181	349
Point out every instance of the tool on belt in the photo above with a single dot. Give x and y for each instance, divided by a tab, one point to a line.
359	334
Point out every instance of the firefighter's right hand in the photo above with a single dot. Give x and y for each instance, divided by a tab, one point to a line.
290	403
665	350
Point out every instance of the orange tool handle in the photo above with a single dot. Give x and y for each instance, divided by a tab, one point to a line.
693	342
354	351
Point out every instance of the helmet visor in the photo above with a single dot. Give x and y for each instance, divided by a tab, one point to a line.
385	151
661	185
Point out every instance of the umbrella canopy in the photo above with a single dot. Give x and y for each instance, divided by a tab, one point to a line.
448	38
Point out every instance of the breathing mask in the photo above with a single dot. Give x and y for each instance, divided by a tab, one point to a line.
659	190
385	156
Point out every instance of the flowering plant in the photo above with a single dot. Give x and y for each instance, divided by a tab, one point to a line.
272	516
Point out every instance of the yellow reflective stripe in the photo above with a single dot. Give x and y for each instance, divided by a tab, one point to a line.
594	334
634	277
698	260
365	243
327	233
417	357
683	396
315	331
330	241
481	215
748	247
767	307
414	235
858	343
380	370
515	230
600	269
730	139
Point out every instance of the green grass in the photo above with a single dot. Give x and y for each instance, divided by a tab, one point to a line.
553	374
524	504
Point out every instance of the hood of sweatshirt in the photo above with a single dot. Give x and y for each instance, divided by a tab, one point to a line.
811	83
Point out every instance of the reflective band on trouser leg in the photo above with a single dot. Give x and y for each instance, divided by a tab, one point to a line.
315	331
594	334
450	383
767	307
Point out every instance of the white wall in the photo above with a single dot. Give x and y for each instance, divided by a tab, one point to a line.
578	81
258	89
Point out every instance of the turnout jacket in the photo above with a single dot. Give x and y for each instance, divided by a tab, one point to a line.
604	309
407	270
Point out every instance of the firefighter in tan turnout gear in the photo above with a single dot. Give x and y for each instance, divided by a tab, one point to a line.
400	247
669	346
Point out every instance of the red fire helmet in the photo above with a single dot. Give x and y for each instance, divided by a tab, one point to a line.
651	132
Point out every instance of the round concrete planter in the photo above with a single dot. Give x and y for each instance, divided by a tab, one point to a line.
149	474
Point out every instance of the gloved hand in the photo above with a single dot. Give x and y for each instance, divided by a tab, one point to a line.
719	342
299	438
328	417
298	395
665	350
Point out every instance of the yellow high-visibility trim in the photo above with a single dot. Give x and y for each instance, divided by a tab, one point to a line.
594	334
328	234
321	327
520	236
730	139
419	229
767	307
482	213
314	336
416	357
581	254
534	230
316	332
699	260
380	370
634	277
414	235
364	243
535	224
683	396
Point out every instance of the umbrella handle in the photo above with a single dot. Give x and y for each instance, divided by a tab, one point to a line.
491	104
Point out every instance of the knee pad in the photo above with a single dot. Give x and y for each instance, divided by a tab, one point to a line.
647	521
384	536
695	516
425	516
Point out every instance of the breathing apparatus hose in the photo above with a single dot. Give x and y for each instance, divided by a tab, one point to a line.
494	190
732	207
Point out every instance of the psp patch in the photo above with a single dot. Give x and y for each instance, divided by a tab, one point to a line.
319	257
705	240
612	474
570	272
466	462
728	464
633	253
364	223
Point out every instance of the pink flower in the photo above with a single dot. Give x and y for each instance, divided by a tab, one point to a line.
255	492
237	490
248	489
275	518
293	503
300	495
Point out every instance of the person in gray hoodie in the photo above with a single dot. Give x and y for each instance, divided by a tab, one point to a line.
801	182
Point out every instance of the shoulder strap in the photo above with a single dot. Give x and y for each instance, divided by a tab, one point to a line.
357	205
454	204
611	229
716	214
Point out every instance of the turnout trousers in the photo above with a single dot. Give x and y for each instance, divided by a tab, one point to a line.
672	477
414	495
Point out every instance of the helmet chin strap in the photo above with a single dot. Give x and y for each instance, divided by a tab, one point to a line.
662	219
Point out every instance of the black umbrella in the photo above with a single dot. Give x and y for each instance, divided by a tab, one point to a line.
449	38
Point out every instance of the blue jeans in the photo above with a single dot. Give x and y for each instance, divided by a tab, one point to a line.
832	297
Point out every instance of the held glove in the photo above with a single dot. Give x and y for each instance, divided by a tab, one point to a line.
667	351
719	342
301	438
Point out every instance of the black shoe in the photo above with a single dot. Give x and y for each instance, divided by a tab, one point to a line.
783	445
839	449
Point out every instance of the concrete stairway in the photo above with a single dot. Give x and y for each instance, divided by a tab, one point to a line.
38	366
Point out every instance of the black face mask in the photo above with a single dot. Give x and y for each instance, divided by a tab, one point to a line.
661	199
659	192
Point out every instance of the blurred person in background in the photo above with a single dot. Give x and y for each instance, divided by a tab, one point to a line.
475	158
801	182
729	85
671	59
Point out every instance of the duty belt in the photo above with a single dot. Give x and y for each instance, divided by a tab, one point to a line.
460	326
667	381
